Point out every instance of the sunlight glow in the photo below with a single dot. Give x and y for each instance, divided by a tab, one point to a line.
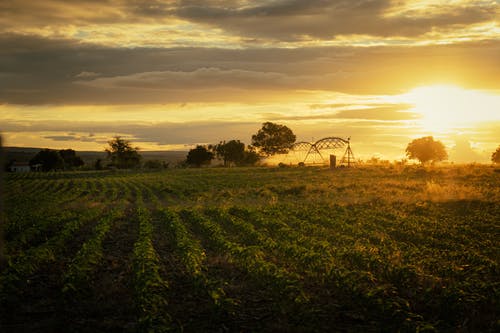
445	108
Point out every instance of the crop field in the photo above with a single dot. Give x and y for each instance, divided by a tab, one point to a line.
253	250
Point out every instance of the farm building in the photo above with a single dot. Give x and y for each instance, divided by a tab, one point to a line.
20	167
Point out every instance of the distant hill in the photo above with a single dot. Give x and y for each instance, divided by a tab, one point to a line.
22	154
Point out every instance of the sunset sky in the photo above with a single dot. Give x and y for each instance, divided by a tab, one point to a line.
171	74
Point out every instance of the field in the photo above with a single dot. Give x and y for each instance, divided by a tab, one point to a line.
253	249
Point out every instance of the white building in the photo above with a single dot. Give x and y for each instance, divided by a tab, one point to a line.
20	167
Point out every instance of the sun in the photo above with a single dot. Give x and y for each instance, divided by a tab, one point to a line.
447	108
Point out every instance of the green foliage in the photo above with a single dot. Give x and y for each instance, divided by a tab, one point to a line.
155	164
273	139
234	152
89	256
122	154
98	164
189	250
301	249
230	152
49	159
27	262
70	159
425	149
199	156
148	284
250	157
495	157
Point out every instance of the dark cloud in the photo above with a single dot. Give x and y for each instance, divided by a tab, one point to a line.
326	19
51	71
82	12
201	78
282	20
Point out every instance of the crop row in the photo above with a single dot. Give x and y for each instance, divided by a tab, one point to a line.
80	270
25	263
397	265
150	287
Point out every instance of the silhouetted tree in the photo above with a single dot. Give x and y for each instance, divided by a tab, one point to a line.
155	164
199	156
70	159
98	164
122	154
250	157
273	139
426	149
230	152
495	157
235	152
8	165
49	159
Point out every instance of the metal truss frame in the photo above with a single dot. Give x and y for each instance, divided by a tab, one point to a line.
330	142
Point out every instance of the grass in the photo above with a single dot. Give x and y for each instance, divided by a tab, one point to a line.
401	248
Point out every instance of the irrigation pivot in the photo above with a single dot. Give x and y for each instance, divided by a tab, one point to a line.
328	143
348	157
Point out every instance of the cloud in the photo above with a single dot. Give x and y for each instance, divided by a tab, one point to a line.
61	137
367	136
194	132
274	54
388	112
202	78
298	20
284	20
72	137
84	75
463	151
37	70
159	133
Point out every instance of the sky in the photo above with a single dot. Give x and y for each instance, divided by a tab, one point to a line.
170	74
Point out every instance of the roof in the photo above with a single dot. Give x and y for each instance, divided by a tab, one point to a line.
20	164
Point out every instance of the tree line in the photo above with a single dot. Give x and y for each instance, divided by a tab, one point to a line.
271	139
49	159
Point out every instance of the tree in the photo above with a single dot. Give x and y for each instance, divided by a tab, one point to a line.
98	164
199	156
155	164
425	149
122	154
234	152
70	160
495	157
49	159
250	157
273	139
230	152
